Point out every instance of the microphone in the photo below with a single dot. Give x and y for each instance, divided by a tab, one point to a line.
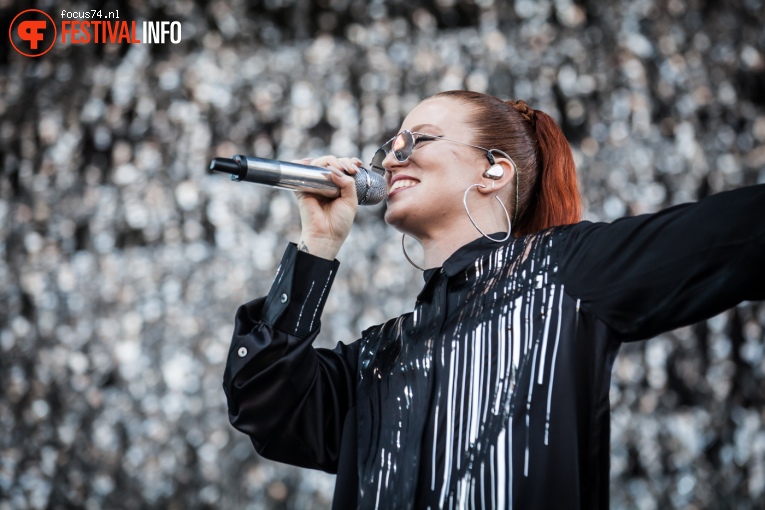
371	187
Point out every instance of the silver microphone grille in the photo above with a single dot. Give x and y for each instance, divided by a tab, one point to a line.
371	187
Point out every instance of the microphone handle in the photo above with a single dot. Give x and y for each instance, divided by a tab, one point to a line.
296	177
283	175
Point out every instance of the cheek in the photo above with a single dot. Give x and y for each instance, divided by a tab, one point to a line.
453	178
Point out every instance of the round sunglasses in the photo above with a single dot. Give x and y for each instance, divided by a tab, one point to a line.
403	144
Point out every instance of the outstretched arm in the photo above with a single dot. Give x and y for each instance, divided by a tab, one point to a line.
652	273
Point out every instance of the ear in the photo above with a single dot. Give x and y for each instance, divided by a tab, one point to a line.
498	176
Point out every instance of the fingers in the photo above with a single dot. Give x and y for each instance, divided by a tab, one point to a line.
355	164
348	165
343	170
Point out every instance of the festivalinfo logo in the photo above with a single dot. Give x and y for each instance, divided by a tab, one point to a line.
34	32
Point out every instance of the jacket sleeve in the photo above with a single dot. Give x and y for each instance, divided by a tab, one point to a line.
290	398
652	273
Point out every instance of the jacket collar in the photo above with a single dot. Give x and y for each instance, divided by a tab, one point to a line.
459	260
465	256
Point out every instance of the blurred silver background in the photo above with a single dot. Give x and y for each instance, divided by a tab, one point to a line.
122	260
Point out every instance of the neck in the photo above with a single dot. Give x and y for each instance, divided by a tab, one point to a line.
440	243
439	248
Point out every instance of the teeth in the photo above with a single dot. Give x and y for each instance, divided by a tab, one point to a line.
403	183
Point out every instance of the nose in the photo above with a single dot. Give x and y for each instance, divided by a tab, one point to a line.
389	160
390	163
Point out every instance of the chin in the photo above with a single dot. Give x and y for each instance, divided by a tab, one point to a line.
392	219
396	217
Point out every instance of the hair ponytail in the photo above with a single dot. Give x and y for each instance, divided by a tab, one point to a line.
548	194
554	198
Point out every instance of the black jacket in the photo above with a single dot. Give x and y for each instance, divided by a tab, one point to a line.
494	390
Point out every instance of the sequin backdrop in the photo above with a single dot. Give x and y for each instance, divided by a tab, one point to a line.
122	261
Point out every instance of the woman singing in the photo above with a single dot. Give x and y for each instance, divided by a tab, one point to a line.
493	391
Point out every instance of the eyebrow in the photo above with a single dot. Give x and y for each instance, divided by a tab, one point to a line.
418	127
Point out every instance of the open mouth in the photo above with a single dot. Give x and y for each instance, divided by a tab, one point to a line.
402	183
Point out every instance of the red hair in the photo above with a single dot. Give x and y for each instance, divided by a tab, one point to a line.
548	194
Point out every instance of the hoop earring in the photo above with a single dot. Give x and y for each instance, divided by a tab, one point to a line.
403	248
507	215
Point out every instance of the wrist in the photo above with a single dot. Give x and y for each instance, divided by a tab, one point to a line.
319	247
